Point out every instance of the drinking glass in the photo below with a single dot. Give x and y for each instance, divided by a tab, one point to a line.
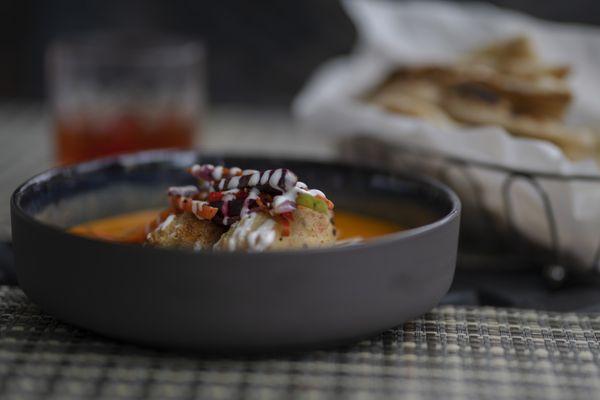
114	92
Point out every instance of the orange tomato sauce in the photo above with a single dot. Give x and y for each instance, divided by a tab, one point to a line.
130	227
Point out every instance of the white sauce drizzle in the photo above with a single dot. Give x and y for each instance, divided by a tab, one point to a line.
289	179
165	224
196	206
252	195
275	179
316	193
254	179
195	170
262	237
265	177
233	182
186	191
229	194
279	200
281	203
240	231
254	239
218	173
292	194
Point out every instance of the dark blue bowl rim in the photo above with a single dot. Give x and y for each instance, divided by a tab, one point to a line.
171	155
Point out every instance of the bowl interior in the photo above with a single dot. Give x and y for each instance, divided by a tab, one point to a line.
67	196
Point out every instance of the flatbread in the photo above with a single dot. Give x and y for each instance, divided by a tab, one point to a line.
503	84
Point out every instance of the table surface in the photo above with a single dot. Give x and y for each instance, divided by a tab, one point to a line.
450	353
453	352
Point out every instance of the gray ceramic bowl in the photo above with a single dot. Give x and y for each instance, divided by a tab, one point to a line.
230	301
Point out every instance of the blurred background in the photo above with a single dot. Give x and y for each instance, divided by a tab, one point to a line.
260	53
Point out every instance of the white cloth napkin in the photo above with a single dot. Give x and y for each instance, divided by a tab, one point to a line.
392	32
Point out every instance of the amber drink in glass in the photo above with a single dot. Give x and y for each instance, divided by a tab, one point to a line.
117	93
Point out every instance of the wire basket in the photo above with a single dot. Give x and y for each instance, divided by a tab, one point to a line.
488	239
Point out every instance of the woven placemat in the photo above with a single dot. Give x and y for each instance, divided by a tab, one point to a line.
449	353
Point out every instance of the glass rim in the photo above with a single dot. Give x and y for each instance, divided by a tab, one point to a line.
127	47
